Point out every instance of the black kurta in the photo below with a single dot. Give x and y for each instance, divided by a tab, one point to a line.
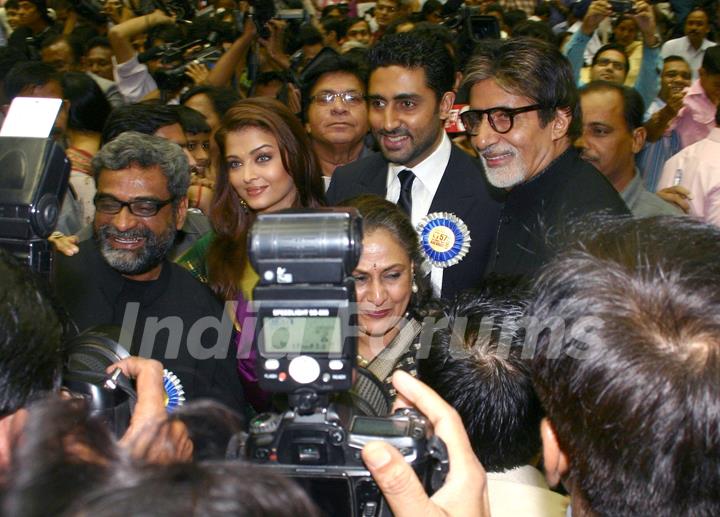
568	189
95	294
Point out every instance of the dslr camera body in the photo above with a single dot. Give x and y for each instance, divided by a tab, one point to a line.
305	335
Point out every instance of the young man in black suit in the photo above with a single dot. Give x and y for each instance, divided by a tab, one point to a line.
442	189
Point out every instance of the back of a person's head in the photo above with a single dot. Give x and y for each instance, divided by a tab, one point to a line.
142	118
628	370
475	363
711	60
28	74
62	454
30	337
192	121
222	98
89	108
211	489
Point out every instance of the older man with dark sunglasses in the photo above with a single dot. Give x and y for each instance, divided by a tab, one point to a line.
523	118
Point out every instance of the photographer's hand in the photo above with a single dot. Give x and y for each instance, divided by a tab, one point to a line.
465	489
198	72
597	12
151	436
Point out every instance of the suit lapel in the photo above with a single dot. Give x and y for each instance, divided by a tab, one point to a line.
373	176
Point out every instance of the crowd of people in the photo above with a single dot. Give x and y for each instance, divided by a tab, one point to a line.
538	183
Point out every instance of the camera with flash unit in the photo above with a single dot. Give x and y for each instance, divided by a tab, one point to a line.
305	333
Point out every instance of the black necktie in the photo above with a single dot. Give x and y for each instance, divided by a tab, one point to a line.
406	178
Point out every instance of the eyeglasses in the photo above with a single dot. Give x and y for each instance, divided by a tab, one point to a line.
140	208
348	98
501	119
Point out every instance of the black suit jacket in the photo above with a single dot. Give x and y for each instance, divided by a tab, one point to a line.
462	191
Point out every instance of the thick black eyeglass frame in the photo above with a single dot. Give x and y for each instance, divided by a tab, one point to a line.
158	205
510	112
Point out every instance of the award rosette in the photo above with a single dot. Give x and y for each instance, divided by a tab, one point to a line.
444	238
174	392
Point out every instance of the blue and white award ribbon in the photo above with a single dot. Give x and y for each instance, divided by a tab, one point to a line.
444	238
174	392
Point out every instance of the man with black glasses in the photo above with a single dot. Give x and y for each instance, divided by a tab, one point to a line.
523	118
122	276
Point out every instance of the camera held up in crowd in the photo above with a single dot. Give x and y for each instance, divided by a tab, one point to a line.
307	349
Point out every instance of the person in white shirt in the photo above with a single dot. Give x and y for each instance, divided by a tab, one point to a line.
692	46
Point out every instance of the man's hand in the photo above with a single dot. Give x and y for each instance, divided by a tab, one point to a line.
597	12
198	72
645	18
151	436
675	100
465	490
65	244
677	195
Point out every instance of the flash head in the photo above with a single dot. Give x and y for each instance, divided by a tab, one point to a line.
319	246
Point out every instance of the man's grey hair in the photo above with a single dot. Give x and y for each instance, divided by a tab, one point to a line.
145	151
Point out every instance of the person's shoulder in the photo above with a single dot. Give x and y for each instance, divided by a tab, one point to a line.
191	291
372	161
585	189
650	204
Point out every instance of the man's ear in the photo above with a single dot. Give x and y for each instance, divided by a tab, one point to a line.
446	104
561	123
181	212
638	135
554	459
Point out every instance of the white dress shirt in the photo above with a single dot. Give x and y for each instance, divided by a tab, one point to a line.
683	48
428	175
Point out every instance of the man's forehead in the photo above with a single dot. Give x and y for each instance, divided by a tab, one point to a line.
676	65
140	179
409	85
603	104
612	55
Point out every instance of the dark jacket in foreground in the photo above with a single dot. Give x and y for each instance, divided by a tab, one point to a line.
567	190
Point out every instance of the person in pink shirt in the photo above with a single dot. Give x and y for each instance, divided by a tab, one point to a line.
695	119
697	168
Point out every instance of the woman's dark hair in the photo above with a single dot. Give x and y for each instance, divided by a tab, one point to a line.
89	108
380	214
229	218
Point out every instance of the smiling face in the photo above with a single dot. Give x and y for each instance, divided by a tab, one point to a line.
697	26
523	152
338	123
675	77
136	246
405	115
383	286
256	171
